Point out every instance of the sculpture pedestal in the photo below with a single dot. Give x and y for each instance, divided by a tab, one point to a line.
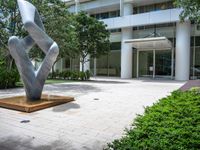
20	103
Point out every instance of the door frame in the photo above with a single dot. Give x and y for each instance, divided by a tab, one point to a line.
154	62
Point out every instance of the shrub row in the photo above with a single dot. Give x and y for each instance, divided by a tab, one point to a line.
8	78
71	75
171	124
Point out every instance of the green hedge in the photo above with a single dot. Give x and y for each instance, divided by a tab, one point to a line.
171	124
71	75
8	78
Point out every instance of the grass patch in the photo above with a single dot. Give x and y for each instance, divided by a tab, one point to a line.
173	123
49	81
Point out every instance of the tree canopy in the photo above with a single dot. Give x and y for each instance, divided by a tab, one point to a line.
76	34
191	9
93	38
57	21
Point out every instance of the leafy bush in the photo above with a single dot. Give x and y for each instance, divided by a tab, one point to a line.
171	124
8	78
71	75
66	74
87	75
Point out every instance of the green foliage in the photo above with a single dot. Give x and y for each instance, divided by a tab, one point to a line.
65	74
87	74
58	23
8	78
57	20
171	124
71	75
191	9
92	36
10	24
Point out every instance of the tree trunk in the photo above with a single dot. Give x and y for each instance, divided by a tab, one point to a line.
82	65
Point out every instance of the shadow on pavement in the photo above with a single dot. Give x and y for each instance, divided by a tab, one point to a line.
82	88
66	107
16	143
107	82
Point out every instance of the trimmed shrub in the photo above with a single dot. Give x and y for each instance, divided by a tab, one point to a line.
71	75
171	124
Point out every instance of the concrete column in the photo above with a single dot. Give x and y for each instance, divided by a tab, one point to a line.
77	6
126	49
182	71
86	64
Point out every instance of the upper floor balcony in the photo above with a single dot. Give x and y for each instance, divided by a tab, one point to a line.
154	17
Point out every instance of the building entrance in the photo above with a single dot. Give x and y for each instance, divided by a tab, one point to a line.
155	63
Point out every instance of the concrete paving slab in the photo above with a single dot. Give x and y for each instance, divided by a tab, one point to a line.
103	108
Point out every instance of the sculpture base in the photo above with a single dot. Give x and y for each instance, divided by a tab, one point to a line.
21	104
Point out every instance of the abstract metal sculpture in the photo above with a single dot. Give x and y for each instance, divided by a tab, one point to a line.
33	79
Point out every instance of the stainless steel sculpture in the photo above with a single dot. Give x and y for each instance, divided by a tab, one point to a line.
33	79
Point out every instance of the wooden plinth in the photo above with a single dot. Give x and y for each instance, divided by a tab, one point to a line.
21	104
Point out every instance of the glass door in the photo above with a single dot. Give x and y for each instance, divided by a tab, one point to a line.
155	63
163	63
146	67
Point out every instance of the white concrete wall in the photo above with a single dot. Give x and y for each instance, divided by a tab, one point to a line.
182	51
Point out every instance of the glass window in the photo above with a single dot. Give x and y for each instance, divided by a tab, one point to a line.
141	9
197	40
163	62
154	7
67	63
145	63
115	46
135	10
102	66
197	63
134	66
104	15
150	8
98	16
161	6
112	14
114	60
198	27
75	64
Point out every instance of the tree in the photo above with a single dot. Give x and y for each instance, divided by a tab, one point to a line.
57	21
10	24
191	9
93	38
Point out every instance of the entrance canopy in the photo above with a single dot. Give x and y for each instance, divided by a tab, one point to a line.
156	43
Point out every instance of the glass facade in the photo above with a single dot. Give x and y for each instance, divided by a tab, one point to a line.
195	58
71	64
106	15
163	61
154	63
110	65
153	7
146	64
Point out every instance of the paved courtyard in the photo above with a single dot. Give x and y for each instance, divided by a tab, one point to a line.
102	110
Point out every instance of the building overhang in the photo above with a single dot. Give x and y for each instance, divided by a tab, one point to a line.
152	43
